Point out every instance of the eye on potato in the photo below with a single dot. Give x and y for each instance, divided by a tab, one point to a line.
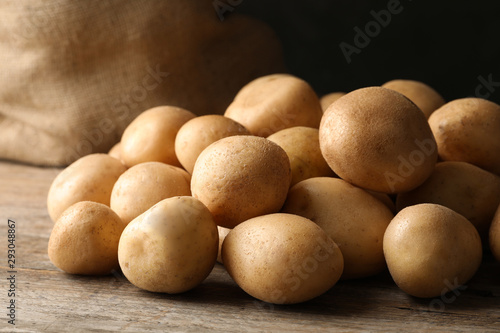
90	178
275	102
282	258
85	239
429	247
377	139
171	248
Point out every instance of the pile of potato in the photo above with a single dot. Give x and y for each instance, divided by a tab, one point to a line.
291	193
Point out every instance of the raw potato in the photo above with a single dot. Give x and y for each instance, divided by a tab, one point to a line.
146	184
116	152
468	130
282	258
275	102
463	187
171	248
425	97
241	177
385	198
151	136
353	218
377	139
431	249
85	239
328	99
90	178
301	144
198	133
494	238
222	235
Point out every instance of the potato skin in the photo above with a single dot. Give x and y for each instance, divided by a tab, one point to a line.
146	184
494	235
171	248
222	235
377	139
282	258
240	177
85	239
463	187
429	248
90	178
328	99
351	217
468	130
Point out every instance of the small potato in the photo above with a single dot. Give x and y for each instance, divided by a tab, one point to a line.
377	139
494	238
353	218
116	152
198	133
241	177
424	96
85	239
328	99
463	187
171	248
301	144
146	184
150	137
431	249
222	235
468	130
282	258
275	102
90	178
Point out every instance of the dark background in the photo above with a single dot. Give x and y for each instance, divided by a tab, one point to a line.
446	44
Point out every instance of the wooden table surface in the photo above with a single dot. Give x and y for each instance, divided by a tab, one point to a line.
48	300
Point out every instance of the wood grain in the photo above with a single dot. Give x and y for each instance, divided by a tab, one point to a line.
52	301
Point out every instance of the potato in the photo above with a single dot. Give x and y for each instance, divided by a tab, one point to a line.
385	198
150	137
353	218
377	139
90	178
146	184
425	97
282	258
275	102
115	151
328	99
85	239
171	248
494	234
431	249
222	235
463	187
240	177
301	144
198	133
468	130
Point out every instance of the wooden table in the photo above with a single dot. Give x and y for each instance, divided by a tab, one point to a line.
48	300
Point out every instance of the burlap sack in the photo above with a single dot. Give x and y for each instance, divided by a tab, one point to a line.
73	74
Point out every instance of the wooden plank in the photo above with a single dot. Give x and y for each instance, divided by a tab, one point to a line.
52	301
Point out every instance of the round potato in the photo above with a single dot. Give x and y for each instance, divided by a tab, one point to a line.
301	144
90	178
424	96
275	102
282	258
116	152
353	218
468	130
198	133
85	239
463	187
377	139
146	184
328	99
240	177
171	248
494	238
150	137
431	249
222	235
